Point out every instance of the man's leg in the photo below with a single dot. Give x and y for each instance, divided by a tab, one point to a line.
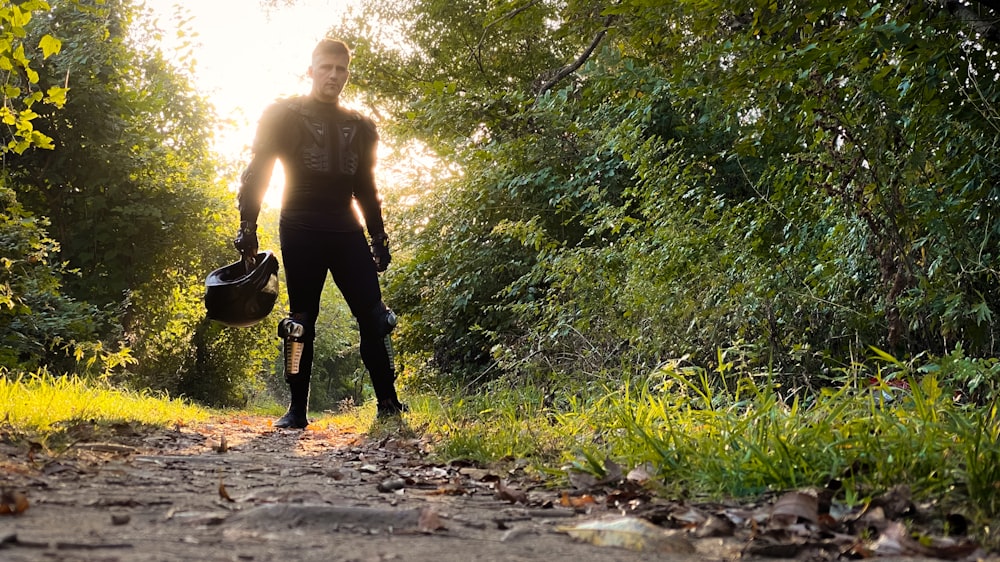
357	279
305	273
297	379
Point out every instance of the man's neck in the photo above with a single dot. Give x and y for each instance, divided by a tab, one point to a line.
334	102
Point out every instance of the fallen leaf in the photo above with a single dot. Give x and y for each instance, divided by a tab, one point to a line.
896	540
896	503
715	526
106	448
508	494
223	493
640	474
612	472
792	507
452	489
631	533
582	480
391	485
13	502
628	492
576	502
687	517
476	473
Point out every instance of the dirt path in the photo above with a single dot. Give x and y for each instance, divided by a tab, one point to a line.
239	490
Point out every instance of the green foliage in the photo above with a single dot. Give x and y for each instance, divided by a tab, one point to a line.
225	366
135	197
21	93
797	184
508	424
40	325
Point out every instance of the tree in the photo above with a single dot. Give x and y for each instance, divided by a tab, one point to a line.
135	196
34	315
643	180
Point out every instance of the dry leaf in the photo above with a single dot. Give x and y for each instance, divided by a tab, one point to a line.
896	541
896	503
612	472
631	533
452	489
792	507
512	495
641	474
476	473
582	480
223	493
576	502
391	485
715	526
13	502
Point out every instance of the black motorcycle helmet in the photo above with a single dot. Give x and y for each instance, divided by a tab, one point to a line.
239	295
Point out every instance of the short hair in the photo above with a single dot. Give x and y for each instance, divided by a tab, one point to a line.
330	46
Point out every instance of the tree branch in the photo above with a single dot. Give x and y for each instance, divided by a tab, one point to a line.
575	65
509	15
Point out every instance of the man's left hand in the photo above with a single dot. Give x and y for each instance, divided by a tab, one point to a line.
246	240
380	252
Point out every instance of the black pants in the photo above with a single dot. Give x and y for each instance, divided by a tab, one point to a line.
307	257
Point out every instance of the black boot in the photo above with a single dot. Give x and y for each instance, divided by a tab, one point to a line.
391	409
295	417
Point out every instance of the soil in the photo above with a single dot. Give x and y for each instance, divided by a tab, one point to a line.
237	489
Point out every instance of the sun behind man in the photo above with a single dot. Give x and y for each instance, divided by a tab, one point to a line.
328	154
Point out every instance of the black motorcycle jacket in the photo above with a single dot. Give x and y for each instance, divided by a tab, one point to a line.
328	155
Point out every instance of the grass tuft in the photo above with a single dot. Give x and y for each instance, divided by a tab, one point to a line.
706	441
41	402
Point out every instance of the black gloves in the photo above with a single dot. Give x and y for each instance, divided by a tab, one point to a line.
380	251
246	239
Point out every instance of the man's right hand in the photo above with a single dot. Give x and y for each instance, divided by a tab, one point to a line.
380	252
246	240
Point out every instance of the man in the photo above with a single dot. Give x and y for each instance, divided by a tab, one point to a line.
328	154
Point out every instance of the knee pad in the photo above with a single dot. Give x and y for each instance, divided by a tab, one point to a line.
378	322
292	331
382	320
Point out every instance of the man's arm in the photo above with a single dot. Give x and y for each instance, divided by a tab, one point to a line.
253	185
255	179
367	196
365	191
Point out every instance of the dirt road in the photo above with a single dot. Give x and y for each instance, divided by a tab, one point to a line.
239	490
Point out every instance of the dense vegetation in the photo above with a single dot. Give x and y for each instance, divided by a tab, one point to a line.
111	222
645	222
643	181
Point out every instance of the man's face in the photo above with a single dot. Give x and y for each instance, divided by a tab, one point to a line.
329	74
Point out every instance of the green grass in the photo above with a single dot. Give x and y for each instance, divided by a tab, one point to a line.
699	437
42	403
710	443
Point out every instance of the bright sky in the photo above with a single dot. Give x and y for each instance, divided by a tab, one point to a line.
248	57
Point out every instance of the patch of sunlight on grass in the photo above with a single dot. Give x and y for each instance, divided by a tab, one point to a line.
41	401
363	420
504	426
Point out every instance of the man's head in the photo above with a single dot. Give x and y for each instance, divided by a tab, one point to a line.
330	69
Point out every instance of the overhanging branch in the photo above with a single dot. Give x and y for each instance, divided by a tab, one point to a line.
575	65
